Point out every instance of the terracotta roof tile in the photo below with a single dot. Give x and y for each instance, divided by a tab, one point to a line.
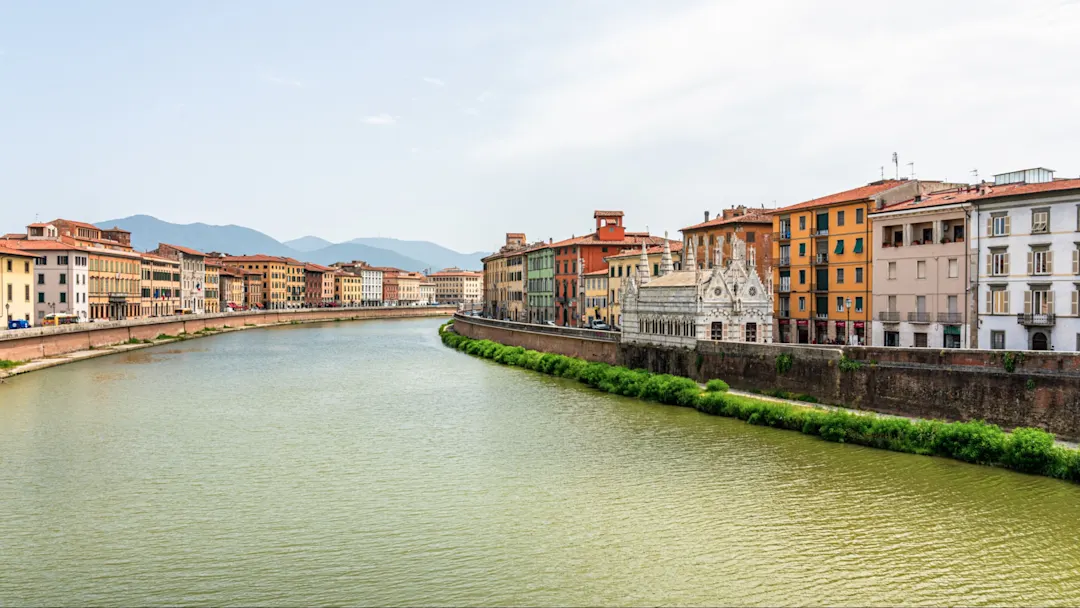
982	192
185	250
28	245
16	252
676	247
847	196
601	213
757	216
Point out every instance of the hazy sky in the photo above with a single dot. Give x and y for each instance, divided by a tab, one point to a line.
459	121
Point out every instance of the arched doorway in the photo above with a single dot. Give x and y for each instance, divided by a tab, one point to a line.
1039	341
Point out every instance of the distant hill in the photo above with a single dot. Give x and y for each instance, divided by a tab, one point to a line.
307	243
437	256
148	231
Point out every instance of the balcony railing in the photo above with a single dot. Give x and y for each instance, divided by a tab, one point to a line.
1036	320
823	316
783	287
784	235
950	317
785	261
819	287
889	316
822	232
918	317
784	313
821	258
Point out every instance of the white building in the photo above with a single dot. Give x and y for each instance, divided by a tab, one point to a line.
371	286
427	292
192	275
727	302
60	272
1026	245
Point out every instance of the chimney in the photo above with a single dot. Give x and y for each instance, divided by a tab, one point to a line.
706	215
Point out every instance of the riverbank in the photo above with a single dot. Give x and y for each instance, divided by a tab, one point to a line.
42	348
1027	450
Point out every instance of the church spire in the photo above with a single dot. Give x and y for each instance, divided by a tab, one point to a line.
689	259
643	265
666	265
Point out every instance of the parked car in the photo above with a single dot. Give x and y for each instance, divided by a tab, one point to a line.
601	326
18	324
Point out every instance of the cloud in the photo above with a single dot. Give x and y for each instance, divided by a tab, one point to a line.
434	81
831	75
380	120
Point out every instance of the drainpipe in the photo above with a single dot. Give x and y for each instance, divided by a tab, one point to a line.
973	296
868	301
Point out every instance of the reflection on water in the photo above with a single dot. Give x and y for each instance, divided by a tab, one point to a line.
363	463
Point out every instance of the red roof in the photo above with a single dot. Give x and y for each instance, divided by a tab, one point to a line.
28	245
847	196
185	250
597	273
253	258
750	217
74	223
591	239
600	213
16	252
317	268
675	246
982	192
154	256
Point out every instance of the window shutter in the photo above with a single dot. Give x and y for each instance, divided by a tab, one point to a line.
1050	302
1031	263
1008	225
1006	264
989	226
989	264
989	302
1027	302
1049	262
1076	261
1076	302
1008	295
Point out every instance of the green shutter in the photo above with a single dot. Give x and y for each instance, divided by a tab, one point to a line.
802	249
952	330
839	247
858	246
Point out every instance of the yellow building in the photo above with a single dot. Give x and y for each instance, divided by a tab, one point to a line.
295	283
348	288
160	285
16	285
212	299
596	297
822	252
623	265
275	278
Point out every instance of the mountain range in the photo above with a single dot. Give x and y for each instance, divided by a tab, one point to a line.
147	231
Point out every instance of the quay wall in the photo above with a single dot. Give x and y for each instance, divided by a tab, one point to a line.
587	344
41	342
1042	389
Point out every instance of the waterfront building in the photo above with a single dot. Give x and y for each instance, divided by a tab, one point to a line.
253	288
389	285
514	284
727	302
625	264
823	254
114	270
192	275
753	226
409	287
372	277
427	292
1026	240
16	285
596	297
540	283
60	272
503	283
318	285
212	298
273	271
456	286
921	295
295	283
586	254
348	288
160	285
232	288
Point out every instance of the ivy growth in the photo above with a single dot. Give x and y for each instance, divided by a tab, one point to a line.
1011	359
783	363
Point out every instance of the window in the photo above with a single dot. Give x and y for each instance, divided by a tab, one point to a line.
802	222
892	304
839	304
920	304
751	332
716	331
998	301
892	338
920	339
1039	301
1040	221
858	275
839	218
920	269
802	249
751	237
999	225
9	265
858	304
63	297
1041	261
839	275
953	304
41	278
802	277
997	340
839	247
859	216
802	303
63	278
998	263
656	270
41	297
954	268
892	270
858	246
9	289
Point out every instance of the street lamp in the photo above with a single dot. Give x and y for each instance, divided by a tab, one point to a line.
847	339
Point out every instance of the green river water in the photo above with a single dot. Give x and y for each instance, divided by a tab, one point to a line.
365	463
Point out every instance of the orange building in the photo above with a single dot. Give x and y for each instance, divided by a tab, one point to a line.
753	226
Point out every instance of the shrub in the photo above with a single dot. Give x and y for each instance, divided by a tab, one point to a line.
712	403
849	365
9	363
970	441
783	363
1010	360
1030	450
716	386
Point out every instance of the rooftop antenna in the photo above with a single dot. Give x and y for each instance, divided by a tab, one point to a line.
975	175
882	172
912	167
896	164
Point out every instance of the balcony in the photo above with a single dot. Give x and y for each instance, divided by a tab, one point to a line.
784	235
822	232
821	287
786	261
821	316
889	316
821	258
783	287
785	313
950	317
918	317
1046	320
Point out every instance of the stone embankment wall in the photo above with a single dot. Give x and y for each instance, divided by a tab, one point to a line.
41	342
1042	389
587	344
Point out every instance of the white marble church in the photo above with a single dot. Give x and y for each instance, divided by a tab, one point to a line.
679	307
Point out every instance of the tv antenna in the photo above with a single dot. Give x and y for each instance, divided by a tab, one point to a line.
882	172
975	175
911	166
896	164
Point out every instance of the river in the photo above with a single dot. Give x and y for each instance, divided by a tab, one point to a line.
365	463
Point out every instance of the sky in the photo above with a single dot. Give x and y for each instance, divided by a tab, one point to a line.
457	122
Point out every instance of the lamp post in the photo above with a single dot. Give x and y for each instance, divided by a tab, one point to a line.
847	330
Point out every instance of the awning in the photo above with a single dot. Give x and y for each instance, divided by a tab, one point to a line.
784	321
839	247
860	325
952	330
801	322
840	324
858	246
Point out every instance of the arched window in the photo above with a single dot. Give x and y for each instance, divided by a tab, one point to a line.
716	332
